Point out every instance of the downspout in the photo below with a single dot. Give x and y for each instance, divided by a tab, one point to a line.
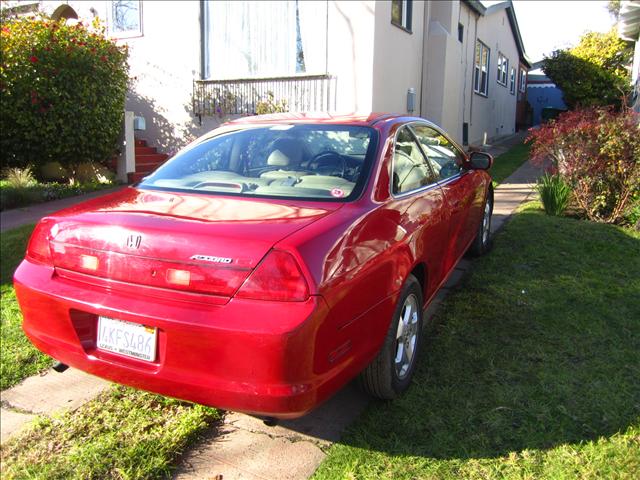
475	42
425	37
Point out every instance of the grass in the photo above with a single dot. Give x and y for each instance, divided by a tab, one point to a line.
14	197
123	433
18	358
530	368
507	163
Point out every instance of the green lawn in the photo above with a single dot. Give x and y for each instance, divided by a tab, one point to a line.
507	163
122	434
18	358
531	368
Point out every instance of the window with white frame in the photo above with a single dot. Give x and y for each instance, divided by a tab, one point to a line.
481	69
401	13
251	39
523	79
503	68
512	81
125	18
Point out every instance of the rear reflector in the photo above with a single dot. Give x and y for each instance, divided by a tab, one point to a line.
89	262
178	277
277	277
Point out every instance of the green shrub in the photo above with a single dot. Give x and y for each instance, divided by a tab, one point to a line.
54	171
596	151
554	193
270	105
14	197
90	172
63	90
19	177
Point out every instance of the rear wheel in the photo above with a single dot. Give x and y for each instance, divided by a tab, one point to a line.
391	371
482	243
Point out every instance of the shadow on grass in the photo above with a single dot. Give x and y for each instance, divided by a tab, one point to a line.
540	346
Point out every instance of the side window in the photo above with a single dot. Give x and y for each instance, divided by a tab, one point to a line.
444	157
125	18
410	168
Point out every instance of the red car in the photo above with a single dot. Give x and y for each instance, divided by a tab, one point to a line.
264	266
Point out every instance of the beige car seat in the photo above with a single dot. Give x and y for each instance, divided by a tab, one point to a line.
287	154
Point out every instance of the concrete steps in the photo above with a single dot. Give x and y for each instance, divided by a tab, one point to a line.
147	160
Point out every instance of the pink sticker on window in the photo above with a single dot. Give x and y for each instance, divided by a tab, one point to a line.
337	192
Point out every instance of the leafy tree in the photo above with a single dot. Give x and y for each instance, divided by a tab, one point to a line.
613	6
63	89
592	73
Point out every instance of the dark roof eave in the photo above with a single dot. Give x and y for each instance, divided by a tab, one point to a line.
480	9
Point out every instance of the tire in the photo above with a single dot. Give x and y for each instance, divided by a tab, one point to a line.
483	242
385	378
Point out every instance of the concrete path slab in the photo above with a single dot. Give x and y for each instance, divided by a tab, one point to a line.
17	217
11	422
245	448
45	394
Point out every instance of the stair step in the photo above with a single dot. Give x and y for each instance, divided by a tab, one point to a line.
140	143
147	167
146	150
151	157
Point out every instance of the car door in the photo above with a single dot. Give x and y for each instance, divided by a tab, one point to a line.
420	205
460	187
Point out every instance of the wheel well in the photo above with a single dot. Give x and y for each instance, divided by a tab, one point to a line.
420	272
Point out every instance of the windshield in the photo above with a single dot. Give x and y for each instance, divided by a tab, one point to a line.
327	162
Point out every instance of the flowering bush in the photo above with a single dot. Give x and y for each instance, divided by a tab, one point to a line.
63	90
597	152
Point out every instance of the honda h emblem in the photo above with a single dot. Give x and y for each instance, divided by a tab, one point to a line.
133	241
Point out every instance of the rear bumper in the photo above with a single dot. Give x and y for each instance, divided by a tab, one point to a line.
252	356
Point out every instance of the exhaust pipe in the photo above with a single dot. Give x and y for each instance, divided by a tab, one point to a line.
60	367
270	421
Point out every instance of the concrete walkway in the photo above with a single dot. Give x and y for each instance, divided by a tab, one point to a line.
17	217
243	447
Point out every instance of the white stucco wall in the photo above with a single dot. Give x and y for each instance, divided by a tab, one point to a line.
444	77
350	52
397	60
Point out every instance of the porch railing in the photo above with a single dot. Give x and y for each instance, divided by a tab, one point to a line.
252	95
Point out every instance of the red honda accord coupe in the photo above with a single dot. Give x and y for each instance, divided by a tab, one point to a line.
264	266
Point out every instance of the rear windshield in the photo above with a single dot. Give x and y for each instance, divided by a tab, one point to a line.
324	162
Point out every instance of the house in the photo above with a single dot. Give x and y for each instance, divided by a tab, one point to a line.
629	29
198	63
543	95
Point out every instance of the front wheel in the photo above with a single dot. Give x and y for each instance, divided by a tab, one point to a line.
391	371
482	243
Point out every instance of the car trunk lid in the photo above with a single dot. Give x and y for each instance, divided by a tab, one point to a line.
196	243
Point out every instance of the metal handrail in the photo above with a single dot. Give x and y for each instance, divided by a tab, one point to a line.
244	96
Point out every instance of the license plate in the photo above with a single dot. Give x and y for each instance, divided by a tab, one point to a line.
126	338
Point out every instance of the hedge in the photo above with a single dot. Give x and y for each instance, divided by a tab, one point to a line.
63	90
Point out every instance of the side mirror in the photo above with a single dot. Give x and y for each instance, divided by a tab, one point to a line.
480	161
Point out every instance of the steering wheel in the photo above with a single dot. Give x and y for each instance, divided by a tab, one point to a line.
329	156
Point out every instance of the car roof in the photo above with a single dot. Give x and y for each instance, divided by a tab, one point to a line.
361	119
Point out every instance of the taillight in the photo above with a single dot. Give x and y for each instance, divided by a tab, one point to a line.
38	249
277	277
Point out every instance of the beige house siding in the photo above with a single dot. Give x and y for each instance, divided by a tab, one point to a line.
494	114
397	60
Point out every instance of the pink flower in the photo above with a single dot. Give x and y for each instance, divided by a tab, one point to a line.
33	59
